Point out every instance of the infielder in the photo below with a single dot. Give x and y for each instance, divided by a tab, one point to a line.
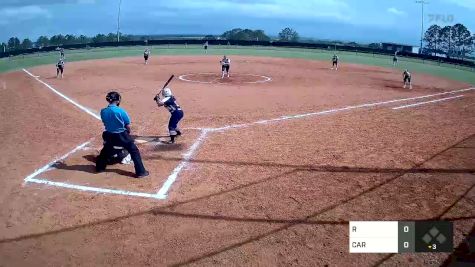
335	62
117	134
169	102
407	79
395	59
60	68
146	54
61	53
225	65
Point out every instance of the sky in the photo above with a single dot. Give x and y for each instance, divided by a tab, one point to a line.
362	21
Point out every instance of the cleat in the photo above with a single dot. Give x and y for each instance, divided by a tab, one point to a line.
145	174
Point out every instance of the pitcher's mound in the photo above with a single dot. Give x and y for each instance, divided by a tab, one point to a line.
235	78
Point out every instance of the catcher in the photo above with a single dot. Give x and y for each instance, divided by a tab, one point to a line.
407	79
169	102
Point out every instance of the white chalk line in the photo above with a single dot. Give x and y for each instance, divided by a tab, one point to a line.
183	78
172	178
49	165
282	118
96	189
186	159
31	179
162	193
83	108
427	102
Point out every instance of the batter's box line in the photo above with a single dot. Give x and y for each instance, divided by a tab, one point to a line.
32	179
162	193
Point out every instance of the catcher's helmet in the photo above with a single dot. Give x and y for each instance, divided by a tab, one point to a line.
113	96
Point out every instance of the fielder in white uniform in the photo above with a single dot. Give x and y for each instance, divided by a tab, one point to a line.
225	65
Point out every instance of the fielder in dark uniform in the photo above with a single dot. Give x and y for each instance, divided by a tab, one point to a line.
169	102
395	59
335	62
225	65
206	47
60	68
61	53
407	79
146	54
117	134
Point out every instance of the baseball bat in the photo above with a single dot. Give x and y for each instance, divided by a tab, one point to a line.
165	85
169	80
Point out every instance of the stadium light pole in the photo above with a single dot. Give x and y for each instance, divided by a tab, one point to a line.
422	2
118	22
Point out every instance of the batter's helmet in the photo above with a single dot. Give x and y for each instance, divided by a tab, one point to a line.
113	96
167	92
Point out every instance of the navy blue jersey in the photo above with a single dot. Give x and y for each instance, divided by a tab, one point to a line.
171	104
407	75
335	58
60	64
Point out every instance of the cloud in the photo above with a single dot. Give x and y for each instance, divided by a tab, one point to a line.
396	11
336	9
16	14
463	3
23	3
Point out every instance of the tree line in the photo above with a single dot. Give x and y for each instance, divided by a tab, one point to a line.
14	43
451	41
58	40
285	35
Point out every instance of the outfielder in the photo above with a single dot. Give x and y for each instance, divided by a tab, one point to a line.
117	134
407	79
225	65
169	102
60	68
205	46
335	62
61	53
146	54
395	59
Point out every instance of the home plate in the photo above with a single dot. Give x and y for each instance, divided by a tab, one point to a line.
144	140
148	139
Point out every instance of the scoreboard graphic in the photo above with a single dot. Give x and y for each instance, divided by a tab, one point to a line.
400	237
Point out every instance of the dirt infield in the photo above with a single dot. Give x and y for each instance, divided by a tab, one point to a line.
274	163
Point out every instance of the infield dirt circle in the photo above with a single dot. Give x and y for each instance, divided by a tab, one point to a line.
276	160
238	78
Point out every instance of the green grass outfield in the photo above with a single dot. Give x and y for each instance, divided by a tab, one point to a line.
453	72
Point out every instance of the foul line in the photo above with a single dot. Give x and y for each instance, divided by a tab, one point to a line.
282	118
427	102
83	108
186	159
